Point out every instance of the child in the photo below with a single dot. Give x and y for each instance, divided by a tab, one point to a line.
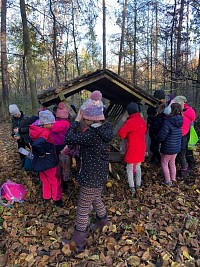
45	160
20	127
94	156
58	132
60	126
189	116
134	130
154	121
170	136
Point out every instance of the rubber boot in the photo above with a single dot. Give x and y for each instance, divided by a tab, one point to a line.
184	173
100	223
79	238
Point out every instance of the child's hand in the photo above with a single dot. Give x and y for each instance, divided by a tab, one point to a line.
16	137
79	116
16	130
63	151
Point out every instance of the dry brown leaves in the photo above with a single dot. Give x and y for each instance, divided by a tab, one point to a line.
158	228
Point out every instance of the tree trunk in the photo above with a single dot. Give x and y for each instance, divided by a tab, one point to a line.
135	44
198	84
4	71
74	38
122	37
24	74
178	49
156	45
104	34
172	41
28	56
55	53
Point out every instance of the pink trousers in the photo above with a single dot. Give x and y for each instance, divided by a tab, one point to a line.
51	184
169	167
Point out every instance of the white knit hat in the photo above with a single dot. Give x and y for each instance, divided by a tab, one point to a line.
13	109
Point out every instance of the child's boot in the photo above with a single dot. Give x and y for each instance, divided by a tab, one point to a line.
133	191
100	223
184	173
79	238
59	203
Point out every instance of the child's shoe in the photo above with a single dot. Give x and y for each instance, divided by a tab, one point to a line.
59	203
133	191
168	183
46	202
184	173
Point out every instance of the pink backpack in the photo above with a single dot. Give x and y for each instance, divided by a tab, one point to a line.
12	192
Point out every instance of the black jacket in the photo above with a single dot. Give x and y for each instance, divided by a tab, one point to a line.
94	154
22	123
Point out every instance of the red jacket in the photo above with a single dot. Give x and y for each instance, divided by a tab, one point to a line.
134	130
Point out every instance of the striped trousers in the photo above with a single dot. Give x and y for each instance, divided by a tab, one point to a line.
88	197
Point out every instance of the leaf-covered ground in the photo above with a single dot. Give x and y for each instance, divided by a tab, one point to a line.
158	228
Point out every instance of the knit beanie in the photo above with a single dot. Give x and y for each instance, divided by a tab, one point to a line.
13	109
132	108
159	94
62	111
92	108
46	117
181	100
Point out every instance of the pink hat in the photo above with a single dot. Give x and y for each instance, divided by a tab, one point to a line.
62	111
92	108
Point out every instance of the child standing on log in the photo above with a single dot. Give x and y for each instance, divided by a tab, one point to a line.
93	172
134	130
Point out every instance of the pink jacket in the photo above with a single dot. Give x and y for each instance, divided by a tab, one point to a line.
189	116
59	130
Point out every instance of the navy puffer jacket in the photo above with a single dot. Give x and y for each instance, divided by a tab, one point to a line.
43	149
170	135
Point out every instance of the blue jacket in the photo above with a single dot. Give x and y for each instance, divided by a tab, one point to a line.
170	135
43	149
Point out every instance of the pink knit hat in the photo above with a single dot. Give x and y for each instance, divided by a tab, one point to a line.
62	111
92	108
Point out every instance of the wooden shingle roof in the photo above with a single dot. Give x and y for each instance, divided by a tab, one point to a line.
111	85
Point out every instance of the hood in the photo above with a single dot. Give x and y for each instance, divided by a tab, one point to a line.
35	132
104	131
60	126
176	121
189	113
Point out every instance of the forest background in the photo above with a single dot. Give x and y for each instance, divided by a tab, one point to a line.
153	44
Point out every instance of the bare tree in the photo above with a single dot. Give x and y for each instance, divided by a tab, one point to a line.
122	36
28	56
104	34
55	54
178	49
4	70
74	39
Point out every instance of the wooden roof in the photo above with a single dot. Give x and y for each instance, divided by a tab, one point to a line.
111	85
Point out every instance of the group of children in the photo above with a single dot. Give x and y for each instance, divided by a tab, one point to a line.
169	130
89	134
